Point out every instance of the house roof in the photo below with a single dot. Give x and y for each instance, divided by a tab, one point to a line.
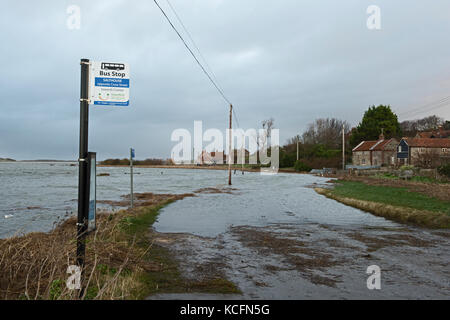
372	145
423	135
381	144
428	142
439	133
365	146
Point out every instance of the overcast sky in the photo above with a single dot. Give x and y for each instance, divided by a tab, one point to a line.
292	60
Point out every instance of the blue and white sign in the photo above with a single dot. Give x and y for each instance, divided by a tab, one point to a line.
109	84
132	154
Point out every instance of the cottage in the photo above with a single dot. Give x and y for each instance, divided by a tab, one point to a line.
375	153
423	152
211	158
439	133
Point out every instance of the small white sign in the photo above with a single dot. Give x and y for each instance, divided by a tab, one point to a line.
109	84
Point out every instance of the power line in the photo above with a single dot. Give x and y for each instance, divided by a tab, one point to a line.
194	43
427	107
440	105
236	118
192	53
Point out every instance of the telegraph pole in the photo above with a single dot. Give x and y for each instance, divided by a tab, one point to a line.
297	147
230	144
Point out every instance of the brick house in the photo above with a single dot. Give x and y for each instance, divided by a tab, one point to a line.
439	133
423	152
375	153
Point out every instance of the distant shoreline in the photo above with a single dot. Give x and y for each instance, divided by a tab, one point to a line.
43	160
192	167
187	167
177	167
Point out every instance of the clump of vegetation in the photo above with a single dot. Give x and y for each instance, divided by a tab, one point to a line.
121	261
444	170
300	166
34	266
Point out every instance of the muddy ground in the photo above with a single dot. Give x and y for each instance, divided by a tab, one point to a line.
285	261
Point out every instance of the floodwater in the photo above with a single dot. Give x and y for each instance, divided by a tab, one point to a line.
273	236
36	195
276	238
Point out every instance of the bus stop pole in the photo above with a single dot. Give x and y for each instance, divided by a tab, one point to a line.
83	179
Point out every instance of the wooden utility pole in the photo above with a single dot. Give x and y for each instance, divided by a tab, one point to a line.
230	145
297	148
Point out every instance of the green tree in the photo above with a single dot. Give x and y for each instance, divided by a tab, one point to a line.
446	125
376	120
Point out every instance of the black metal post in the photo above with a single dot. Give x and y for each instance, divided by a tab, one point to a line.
83	179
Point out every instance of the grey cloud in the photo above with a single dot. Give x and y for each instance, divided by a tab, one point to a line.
293	60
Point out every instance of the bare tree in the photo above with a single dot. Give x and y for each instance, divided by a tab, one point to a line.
411	127
263	140
326	131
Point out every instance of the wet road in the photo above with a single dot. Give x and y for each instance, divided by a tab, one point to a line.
277	239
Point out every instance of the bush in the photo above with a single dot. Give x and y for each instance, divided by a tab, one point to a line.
444	170
287	160
300	166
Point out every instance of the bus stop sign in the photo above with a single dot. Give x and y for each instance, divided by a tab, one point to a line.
109	84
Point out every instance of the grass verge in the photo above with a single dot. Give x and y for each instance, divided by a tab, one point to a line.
167	278
121	261
397	204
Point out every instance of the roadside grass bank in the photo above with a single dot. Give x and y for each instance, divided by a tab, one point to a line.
122	262
421	179
440	191
395	203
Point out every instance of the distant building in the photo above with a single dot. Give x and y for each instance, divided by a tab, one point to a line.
375	153
434	134
216	157
211	158
423	152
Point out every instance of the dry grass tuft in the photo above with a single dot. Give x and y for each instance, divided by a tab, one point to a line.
34	266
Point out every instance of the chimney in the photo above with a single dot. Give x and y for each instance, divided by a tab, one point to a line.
381	135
